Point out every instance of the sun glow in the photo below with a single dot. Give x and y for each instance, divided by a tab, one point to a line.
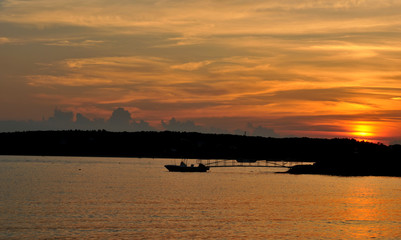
362	129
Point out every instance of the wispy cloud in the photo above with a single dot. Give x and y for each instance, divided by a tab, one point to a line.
4	40
190	66
205	17
68	43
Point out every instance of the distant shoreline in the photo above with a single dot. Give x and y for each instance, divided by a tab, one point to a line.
347	157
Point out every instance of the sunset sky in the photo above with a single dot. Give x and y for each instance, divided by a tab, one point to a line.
315	68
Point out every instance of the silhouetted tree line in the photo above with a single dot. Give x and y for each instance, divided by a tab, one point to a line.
195	145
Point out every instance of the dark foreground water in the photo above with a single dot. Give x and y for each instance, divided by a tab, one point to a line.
120	198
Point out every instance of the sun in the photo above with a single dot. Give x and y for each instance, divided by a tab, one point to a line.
363	130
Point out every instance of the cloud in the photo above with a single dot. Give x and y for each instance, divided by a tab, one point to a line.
143	80
190	126
134	62
80	43
101	71
194	18
61	117
82	120
262	131
321	95
120	120
73	80
4	40
121	117
152	86
187	126
191	66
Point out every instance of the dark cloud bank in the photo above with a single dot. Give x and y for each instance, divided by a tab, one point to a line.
121	120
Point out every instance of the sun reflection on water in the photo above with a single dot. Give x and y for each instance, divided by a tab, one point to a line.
362	212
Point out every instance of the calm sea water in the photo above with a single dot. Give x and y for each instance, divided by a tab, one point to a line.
121	198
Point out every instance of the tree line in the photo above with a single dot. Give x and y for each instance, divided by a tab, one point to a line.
169	144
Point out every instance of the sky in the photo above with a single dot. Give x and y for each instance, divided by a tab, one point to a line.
313	68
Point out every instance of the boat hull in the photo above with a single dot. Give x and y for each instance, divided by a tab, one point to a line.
175	168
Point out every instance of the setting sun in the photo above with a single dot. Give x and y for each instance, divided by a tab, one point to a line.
363	129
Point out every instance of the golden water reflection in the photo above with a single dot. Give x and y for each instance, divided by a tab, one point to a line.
95	198
364	210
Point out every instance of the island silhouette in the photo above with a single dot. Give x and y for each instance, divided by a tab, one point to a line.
338	156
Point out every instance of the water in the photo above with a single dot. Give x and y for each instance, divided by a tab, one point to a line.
121	198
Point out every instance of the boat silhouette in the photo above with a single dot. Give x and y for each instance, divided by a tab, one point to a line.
185	168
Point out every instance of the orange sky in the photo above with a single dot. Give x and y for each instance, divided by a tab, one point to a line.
300	67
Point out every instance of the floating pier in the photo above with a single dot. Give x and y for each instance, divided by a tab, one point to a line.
249	163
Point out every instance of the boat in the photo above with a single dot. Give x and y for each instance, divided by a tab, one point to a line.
185	168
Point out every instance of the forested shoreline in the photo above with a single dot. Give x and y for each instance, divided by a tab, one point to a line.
332	156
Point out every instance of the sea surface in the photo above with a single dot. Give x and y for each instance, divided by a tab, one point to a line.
132	198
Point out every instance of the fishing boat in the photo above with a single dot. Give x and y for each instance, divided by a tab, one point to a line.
185	168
